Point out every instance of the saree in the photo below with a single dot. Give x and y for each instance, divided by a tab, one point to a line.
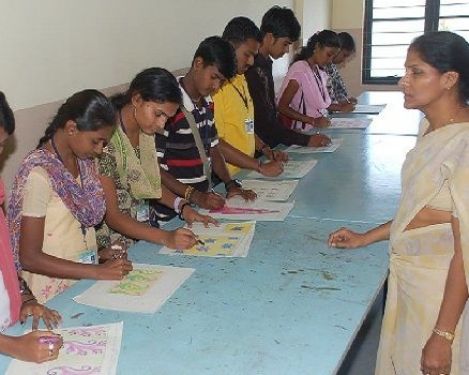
420	258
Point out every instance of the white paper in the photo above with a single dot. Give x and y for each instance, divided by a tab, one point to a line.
293	169
349	123
238	209
372	109
144	290
86	350
226	240
276	191
335	144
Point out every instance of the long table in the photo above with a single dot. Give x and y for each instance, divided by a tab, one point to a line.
293	306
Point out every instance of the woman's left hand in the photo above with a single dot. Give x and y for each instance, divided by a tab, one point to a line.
191	216
248	195
50	317
436	356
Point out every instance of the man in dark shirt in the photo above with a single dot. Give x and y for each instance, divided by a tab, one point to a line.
280	29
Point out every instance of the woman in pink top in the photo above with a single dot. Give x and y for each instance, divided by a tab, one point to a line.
303	99
16	300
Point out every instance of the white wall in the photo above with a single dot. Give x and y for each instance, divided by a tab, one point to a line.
52	48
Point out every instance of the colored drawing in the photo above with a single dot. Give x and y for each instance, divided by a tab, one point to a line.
225	240
271	190
143	290
86	350
137	282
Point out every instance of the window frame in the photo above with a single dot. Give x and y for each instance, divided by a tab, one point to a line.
431	21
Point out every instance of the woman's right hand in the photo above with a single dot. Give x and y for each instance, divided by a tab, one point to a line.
114	269
180	239
28	347
344	238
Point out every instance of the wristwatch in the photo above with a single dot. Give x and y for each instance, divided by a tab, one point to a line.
233	183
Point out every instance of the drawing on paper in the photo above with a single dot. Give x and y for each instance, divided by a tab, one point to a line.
226	240
137	282
86	350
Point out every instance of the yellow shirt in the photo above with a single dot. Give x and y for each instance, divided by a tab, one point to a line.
234	116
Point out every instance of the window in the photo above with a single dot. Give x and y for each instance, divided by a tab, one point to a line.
390	26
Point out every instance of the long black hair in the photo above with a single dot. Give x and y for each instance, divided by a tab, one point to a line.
446	51
7	119
324	38
153	84
90	109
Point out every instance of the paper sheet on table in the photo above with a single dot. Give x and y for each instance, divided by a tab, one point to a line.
372	109
293	169
349	123
144	290
86	350
226	240
238	209
276	191
335	144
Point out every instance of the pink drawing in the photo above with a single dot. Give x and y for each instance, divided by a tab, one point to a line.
241	210
68	370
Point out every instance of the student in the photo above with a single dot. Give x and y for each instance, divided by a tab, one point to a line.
279	30
182	167
129	167
57	200
18	303
335	84
427	297
234	109
303	100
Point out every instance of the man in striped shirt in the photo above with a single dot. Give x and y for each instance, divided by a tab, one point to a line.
181	165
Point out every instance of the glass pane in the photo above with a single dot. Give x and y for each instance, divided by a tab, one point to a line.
395	26
454	10
397	3
375	73
394	38
388	63
400	12
451	24
399	52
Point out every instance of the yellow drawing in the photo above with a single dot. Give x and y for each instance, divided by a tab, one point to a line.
137	282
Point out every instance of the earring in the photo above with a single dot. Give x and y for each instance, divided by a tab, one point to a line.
135	113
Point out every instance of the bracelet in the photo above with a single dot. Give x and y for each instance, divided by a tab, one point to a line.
445	334
188	193
24	288
181	211
176	204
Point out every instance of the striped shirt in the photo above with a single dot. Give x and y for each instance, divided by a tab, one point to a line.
176	148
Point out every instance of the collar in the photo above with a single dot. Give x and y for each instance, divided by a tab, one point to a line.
186	99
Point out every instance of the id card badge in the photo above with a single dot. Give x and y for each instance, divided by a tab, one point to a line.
143	211
249	125
88	257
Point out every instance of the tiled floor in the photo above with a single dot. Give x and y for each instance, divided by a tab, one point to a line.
361	358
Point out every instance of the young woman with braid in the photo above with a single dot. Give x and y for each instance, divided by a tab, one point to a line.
57	200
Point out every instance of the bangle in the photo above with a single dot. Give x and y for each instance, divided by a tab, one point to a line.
188	193
176	204
181	211
445	334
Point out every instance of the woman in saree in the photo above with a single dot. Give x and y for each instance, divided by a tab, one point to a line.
424	327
